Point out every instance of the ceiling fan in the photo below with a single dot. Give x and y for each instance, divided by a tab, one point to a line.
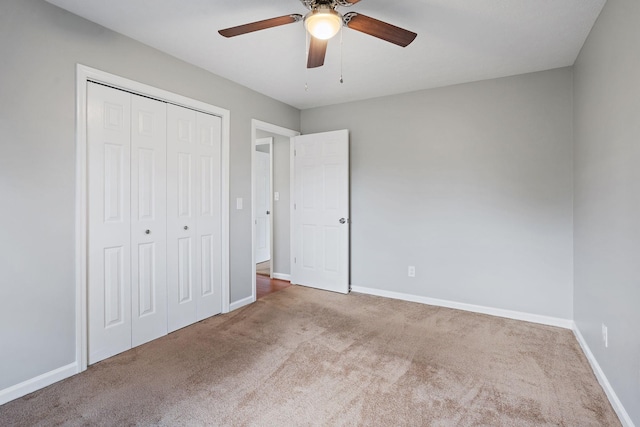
323	22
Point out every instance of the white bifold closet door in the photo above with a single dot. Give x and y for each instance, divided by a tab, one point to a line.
194	269
148	220
127	220
109	233
154	223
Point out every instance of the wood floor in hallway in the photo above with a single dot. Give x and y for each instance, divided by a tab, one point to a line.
266	286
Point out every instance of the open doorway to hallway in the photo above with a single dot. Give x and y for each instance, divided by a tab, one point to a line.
271	201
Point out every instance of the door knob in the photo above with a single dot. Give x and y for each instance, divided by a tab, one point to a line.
342	220
147	231
186	227
268	212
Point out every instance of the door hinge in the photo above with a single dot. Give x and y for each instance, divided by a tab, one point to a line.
295	260
295	206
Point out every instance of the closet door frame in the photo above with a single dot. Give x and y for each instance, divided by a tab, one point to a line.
85	74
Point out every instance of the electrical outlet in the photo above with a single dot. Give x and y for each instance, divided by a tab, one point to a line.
605	335
412	271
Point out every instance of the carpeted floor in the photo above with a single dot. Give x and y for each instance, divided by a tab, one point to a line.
307	357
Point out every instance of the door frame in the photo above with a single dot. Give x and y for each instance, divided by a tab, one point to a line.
85	74
268	141
257	125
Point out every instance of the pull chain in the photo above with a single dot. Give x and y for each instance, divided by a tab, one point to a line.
306	56
341	80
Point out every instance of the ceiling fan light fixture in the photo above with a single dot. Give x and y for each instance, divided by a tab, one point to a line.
323	22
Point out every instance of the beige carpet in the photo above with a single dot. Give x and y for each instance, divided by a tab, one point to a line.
307	357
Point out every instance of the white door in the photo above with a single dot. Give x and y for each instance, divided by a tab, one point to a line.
154	219
127	220
263	205
194	268
109	227
208	217
181	222
321	211
148	220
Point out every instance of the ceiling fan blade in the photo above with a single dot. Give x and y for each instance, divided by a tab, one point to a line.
260	25
379	29
347	2
317	51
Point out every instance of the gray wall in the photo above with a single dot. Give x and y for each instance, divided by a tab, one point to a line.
281	208
40	46
607	196
471	184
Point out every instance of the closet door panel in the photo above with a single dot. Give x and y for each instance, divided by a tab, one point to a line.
208	225
109	244
148	219
182	187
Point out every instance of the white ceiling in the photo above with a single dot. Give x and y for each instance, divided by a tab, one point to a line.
458	41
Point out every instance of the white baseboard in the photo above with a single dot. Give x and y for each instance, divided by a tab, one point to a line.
625	419
241	303
282	276
509	314
34	384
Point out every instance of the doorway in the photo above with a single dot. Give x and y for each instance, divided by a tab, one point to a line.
315	252
271	192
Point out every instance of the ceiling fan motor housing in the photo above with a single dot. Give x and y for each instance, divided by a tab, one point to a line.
310	4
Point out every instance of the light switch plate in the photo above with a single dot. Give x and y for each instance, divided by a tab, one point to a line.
276	196
239	203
